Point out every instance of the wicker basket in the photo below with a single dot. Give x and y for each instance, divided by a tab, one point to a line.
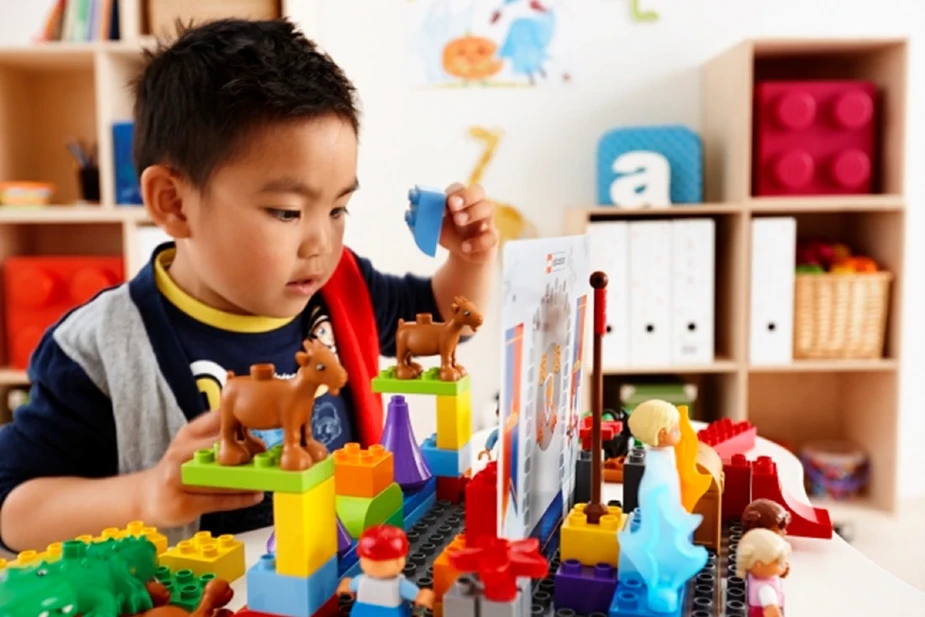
840	315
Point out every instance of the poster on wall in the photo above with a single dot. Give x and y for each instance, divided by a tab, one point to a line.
545	291
499	43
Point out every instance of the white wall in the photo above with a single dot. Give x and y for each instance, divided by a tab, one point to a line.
625	73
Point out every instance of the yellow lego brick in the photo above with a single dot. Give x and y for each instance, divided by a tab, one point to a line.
222	556
306	529
591	544
135	529
454	420
27	558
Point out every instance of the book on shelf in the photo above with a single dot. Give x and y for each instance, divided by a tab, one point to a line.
77	21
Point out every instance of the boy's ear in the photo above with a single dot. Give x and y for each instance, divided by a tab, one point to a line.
163	191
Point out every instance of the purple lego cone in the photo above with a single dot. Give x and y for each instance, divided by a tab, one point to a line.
343	538
411	470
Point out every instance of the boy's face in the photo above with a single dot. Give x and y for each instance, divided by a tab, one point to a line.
268	231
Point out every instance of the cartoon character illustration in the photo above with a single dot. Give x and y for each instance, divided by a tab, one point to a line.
382	590
326	425
526	45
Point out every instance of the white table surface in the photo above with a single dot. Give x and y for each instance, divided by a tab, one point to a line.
828	578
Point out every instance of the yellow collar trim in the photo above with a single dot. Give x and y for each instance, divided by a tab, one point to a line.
204	313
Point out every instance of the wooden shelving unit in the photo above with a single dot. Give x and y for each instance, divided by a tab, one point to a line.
855	400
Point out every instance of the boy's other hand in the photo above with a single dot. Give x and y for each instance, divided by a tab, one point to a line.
165	502
469	228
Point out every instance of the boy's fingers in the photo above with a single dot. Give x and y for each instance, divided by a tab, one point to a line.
216	502
183	450
458	196
482	242
479	211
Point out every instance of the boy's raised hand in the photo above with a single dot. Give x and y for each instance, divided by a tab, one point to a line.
165	501
469	228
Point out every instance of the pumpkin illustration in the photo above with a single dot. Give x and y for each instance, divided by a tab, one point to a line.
471	58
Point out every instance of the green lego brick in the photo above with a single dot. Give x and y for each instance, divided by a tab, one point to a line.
185	587
428	383
360	513
261	474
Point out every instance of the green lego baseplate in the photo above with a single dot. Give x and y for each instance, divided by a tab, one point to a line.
185	587
261	474
428	383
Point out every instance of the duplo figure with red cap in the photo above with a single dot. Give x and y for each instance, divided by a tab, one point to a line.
382	589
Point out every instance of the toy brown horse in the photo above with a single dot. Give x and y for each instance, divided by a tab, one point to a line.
262	401
216	594
425	337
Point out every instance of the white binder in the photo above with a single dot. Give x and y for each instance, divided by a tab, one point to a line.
692	291
650	293
610	254
772	279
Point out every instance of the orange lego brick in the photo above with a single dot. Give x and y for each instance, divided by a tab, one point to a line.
362	473
445	574
203	554
693	482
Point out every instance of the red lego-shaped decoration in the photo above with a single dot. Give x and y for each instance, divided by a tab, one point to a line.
39	290
814	137
499	563
728	438
609	428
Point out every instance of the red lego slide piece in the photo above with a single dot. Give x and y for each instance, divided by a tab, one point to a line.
728	438
39	290
814	137
482	505
807	521
737	487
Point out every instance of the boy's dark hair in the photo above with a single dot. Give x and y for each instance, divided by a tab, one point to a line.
200	97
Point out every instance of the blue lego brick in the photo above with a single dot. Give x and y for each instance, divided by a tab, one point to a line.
413	516
128	189
289	596
349	563
425	217
631	600
446	463
678	144
413	500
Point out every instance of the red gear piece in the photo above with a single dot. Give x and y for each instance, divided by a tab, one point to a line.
499	563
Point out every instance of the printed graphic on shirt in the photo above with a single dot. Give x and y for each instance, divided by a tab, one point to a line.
329	414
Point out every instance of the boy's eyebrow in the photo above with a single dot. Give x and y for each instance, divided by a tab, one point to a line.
291	185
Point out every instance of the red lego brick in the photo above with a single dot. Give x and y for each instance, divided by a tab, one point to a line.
453	489
814	137
609	428
728	438
482	505
40	290
806	521
737	487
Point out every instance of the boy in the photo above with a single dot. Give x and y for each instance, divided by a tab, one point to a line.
246	148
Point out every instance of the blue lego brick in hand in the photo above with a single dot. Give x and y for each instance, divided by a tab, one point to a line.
446	463
680	146
425	217
289	596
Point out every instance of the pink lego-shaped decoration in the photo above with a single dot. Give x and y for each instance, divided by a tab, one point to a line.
729	438
814	137
806	520
499	563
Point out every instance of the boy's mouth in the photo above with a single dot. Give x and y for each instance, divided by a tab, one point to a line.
303	287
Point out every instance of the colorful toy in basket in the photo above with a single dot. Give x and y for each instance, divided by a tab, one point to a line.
816	257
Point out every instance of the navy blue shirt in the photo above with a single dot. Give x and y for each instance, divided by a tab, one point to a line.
68	428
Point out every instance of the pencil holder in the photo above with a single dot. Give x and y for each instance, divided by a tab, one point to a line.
90	184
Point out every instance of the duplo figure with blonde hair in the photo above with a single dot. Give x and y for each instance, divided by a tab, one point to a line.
762	559
656	423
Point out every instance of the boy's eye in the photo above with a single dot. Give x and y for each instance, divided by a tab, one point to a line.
336	213
284	214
